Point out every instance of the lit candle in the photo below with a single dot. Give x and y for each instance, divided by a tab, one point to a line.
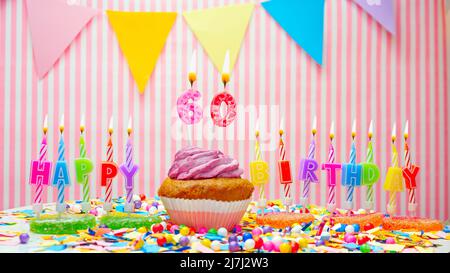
226	69
351	186
284	167
40	171
109	158
61	174
394	179
129	169
331	169
369	159
308	167
259	171
193	68
410	172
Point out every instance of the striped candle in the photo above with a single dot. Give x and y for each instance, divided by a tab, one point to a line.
411	191
129	164
394	163
61	157
332	189
109	158
282	156
307	182
351	188
369	159
86	189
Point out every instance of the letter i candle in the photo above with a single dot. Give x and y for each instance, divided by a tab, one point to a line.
40	172
410	172
128	170
284	168
61	175
308	168
259	171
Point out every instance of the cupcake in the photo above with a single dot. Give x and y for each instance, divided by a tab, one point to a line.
204	188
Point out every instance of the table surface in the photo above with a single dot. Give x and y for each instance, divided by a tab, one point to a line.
34	245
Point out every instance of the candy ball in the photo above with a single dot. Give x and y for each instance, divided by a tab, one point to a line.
93	212
215	245
161	240
206	242
257	231
237	229
192	231
142	230
137	204
294	247
249	244
364	248
155	204
368	226
247	236
233	246
184	241
157	228
184	231
24	238
349	238
175	229
202	230
303	243
285	248
349	229
390	240
268	246
356	228
142	196
212	231
267	230
152	210
222	232
232	238
258	243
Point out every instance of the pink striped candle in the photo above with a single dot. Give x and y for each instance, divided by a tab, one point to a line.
109	158
331	200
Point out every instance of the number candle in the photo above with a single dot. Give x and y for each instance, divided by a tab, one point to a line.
224	98
410	172
40	172
259	171
284	167
129	169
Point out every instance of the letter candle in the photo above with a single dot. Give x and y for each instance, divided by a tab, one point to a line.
224	98
61	174
109	158
259	171
394	179
129	169
308	168
83	167
40	172
331	169
369	159
284	167
410	172
351	186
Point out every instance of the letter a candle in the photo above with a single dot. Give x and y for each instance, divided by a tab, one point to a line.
284	168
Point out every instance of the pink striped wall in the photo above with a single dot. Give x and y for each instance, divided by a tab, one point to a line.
367	74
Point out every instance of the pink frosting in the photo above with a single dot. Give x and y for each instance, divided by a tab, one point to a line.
195	163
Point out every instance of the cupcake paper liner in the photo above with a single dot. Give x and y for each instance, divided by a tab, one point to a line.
206	213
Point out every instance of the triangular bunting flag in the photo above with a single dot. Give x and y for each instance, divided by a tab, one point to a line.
220	29
54	25
302	20
141	36
381	10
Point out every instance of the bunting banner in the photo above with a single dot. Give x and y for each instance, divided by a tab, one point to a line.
221	29
382	11
302	20
141	36
54	24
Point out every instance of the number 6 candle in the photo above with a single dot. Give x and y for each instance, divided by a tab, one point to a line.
40	172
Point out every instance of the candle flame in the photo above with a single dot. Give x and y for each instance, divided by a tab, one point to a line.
281	126
370	129
257	128
110	129
314	126
61	124
394	134
332	130
226	68
45	128
129	130
406	133
354	129
193	68
82	124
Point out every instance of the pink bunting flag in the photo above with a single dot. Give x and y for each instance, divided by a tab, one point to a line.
382	11
54	24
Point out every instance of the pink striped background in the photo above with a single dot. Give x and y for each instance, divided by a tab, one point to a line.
367	74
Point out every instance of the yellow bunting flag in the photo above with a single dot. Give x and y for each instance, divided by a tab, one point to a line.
141	37
220	29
